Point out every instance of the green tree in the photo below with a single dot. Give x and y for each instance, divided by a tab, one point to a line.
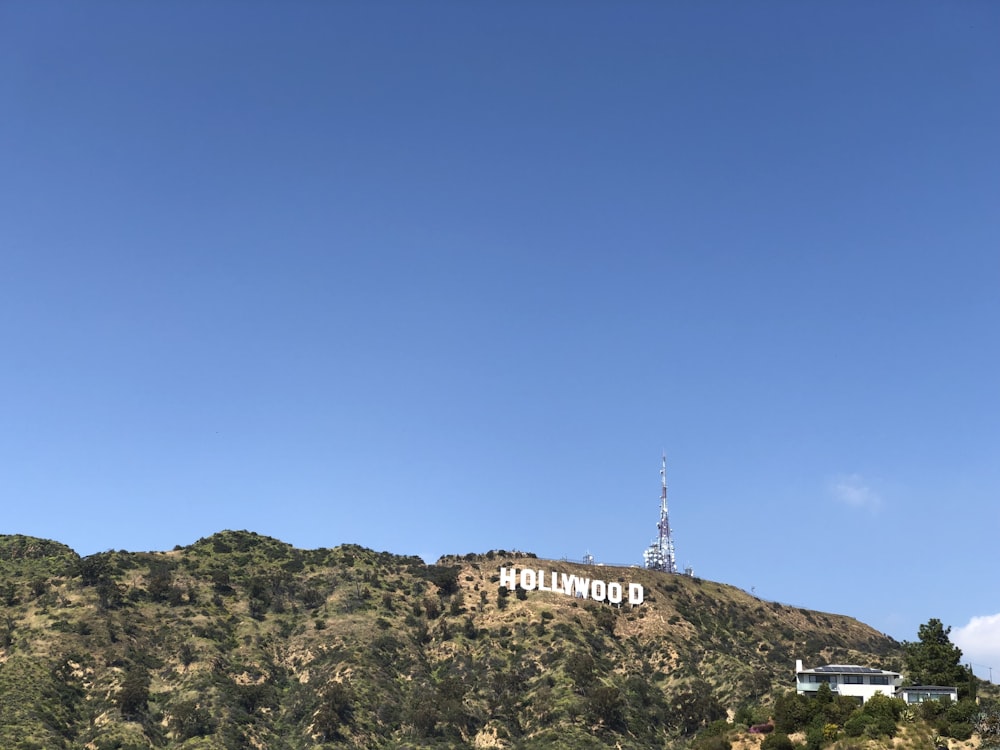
582	669
792	712
749	714
815	738
883	714
109	594
134	693
824	694
335	712
260	596
160	583
959	719
838	710
189	719
934	659
94	569
694	707
856	724
757	683
450	697
605	706
422	712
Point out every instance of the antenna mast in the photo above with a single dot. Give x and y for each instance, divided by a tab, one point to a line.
660	554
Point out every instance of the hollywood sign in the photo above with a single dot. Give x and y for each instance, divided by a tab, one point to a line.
570	585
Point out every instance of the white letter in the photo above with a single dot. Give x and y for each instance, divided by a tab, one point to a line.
568	582
555	582
508	578
582	587
598	586
541	581
615	593
635	593
528	575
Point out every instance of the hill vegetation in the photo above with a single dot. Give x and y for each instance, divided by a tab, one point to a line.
242	641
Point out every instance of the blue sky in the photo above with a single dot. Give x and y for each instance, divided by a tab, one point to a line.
447	277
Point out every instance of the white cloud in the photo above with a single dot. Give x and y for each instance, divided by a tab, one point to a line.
980	644
854	491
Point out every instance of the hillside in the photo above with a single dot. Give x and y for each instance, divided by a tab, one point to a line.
240	640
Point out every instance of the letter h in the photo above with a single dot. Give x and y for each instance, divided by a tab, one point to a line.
508	578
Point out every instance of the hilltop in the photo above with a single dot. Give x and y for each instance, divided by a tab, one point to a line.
241	640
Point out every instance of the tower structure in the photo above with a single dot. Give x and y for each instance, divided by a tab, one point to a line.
660	554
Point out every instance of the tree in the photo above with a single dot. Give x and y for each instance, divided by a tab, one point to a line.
188	720
757	683
134	693
792	712
422	712
883	715
259	593
605	706
109	594
824	694
94	569
582	669
695	707
335	712
160	584
934	659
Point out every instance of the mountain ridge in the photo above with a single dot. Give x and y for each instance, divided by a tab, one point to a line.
240	639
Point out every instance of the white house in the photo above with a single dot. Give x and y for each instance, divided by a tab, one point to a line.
921	693
846	679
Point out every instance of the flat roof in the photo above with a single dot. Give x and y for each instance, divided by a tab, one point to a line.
846	669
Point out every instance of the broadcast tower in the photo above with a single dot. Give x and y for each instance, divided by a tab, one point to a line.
660	554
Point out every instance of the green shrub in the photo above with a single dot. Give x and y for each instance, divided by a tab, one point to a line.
188	719
335	712
792	712
960	730
605	706
931	710
133	695
855	725
988	724
744	716
716	728
839	710
712	742
445	577
777	741
814	738
962	712
880	727
883	714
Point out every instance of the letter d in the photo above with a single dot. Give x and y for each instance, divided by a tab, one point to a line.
635	593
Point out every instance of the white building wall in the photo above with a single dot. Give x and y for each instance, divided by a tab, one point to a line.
864	691
839	687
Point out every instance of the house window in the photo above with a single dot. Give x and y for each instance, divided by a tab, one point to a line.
817	678
854	679
879	680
